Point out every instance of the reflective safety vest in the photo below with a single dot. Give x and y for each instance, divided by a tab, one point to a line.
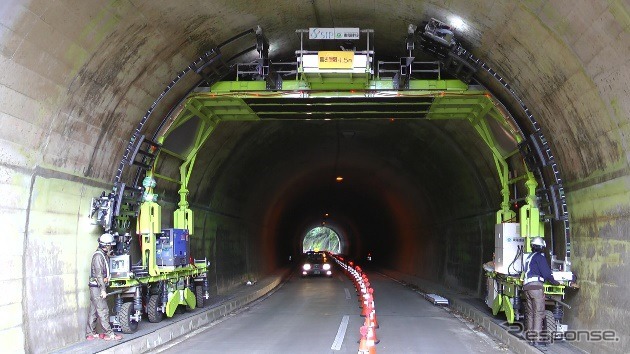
530	278
105	271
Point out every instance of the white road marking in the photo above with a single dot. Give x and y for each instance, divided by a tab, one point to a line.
348	297
341	333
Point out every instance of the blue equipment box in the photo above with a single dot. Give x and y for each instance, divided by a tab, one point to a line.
173	248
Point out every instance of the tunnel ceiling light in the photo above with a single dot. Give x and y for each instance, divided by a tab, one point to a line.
339	179
458	23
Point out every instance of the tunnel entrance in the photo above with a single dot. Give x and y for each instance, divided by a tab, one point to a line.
321	239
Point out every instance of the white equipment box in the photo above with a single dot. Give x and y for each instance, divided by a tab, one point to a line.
509	248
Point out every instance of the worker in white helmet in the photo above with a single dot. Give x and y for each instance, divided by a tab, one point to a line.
537	271
99	278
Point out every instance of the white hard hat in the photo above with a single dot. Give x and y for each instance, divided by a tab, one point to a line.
106	239
538	241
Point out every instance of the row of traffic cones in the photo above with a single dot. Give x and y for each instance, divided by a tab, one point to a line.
368	341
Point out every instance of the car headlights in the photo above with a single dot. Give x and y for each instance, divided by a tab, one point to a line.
326	266
306	266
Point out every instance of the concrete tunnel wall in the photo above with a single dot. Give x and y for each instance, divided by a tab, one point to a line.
76	77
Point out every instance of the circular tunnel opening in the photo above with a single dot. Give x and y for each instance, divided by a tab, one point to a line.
321	238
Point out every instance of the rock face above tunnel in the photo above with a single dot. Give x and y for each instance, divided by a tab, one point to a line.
77	77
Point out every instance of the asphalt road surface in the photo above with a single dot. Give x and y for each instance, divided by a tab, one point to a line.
321	315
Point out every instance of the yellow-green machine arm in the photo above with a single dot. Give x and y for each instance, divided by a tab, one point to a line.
149	217
149	223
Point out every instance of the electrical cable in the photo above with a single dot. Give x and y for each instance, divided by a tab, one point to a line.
519	253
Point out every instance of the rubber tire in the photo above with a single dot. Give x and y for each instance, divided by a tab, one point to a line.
549	321
124	317
154	314
199	296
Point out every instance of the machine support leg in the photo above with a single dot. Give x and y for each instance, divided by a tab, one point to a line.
206	288
137	300
164	294
118	304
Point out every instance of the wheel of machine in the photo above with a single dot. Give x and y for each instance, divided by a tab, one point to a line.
127	324
153	308
199	296
549	324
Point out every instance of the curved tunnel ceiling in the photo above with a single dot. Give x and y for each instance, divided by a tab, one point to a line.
77	78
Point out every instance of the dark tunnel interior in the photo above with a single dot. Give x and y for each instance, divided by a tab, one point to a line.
418	195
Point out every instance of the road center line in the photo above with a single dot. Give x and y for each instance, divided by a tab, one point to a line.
347	293
341	333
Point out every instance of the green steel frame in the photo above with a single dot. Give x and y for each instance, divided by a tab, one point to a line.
444	100
178	293
451	99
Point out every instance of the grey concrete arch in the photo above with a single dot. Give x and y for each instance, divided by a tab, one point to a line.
77	77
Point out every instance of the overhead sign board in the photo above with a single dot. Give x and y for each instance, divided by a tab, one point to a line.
333	33
335	60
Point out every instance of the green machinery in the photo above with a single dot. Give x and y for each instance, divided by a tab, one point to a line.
346	84
335	85
167	278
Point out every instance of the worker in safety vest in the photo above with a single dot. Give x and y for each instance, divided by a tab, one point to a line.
536	272
99	278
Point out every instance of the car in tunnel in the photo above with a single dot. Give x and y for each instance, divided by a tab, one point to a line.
316	263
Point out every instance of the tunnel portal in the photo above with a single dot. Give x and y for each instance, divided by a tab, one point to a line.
517	115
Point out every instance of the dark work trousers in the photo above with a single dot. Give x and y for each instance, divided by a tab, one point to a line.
98	310
534	313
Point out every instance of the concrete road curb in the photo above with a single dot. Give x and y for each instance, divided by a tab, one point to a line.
186	326
516	345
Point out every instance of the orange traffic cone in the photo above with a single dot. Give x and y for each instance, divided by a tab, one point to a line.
365	311
371	293
366	346
362	297
372	317
367	303
371	331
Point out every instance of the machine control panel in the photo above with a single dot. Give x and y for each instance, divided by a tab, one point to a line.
173	248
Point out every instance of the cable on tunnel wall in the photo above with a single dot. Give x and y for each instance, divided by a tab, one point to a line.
554	165
198	66
535	148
